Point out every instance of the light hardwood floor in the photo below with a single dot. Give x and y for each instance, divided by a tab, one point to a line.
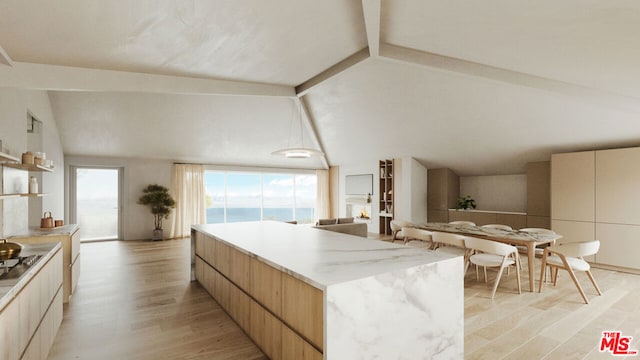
135	301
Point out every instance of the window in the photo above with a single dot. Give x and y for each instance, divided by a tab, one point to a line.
241	196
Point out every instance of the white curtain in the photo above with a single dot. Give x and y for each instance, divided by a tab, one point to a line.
323	194
189	193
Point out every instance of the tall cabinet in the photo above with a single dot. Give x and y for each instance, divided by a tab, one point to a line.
443	191
595	195
386	196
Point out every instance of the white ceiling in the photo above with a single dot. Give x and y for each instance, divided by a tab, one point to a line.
481	87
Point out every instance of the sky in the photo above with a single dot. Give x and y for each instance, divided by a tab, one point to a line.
244	190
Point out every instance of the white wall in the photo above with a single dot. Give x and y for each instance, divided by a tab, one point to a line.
14	106
410	190
418	192
497	193
137	221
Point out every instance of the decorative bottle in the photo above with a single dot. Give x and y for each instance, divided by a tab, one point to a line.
33	185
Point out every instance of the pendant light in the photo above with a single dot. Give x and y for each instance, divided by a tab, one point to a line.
301	152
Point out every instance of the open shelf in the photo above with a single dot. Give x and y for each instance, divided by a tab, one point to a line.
9	196
34	195
8	158
29	167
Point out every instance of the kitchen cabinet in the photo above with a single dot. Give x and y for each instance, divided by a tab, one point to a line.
594	195
573	186
31	311
443	189
539	194
69	237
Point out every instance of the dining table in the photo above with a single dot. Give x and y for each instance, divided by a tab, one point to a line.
512	237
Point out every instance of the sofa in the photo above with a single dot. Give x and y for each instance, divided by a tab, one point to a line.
343	225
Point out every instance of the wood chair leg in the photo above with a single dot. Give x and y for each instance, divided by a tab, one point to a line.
574	278
593	281
495	285
543	269
555	275
518	264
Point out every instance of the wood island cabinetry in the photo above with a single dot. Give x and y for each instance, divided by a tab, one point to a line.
280	313
302	293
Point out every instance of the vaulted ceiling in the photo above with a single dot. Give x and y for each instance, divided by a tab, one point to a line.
481	87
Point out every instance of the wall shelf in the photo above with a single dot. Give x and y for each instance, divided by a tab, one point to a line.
8	196
8	158
29	167
34	195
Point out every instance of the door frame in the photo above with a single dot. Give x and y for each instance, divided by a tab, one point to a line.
73	204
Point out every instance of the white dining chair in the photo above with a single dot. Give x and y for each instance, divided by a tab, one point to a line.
570	257
462	223
396	229
417	237
498	226
449	243
489	253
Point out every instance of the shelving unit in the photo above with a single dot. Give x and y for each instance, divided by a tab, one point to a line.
29	167
13	162
8	196
386	196
34	195
4	158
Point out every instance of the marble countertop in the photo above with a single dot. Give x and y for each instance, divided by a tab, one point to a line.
319	257
490	211
9	288
62	230
489	232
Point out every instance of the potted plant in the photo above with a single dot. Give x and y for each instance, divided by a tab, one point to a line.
157	197
465	203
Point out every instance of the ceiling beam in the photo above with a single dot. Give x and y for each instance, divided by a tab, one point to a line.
441	62
311	129
334	70
371	10
53	77
4	57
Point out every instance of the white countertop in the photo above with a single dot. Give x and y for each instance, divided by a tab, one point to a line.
9	288
319	257
490	211
62	230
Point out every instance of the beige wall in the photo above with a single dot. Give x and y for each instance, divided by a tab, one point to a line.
496	193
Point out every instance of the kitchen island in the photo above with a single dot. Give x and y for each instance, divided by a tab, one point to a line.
304	293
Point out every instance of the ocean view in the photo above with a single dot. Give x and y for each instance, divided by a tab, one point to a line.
216	215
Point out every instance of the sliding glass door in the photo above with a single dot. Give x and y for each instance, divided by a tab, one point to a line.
96	202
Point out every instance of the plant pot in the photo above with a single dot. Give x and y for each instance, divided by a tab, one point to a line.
157	235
